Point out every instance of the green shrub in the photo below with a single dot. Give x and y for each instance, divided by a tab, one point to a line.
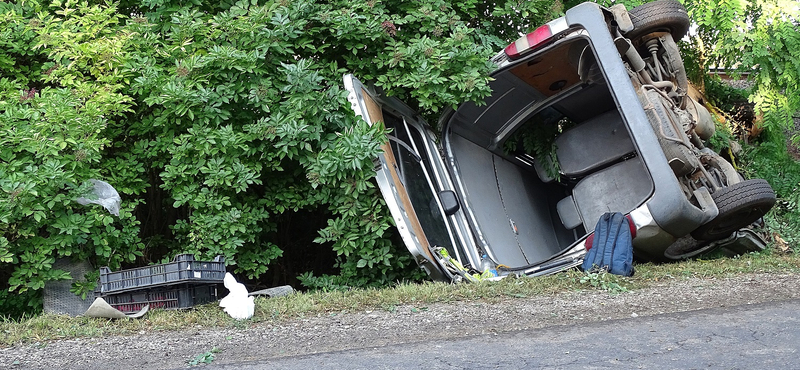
242	117
757	37
770	160
59	89
224	127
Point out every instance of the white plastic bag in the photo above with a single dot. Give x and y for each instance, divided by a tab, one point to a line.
237	303
103	194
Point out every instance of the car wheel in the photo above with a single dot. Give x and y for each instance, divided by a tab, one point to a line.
739	205
661	15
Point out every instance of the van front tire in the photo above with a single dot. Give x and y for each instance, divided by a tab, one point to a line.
661	15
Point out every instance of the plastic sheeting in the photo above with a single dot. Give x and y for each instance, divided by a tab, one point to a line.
103	194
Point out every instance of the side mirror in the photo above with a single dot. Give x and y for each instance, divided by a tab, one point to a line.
449	202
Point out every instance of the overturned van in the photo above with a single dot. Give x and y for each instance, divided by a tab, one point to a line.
588	114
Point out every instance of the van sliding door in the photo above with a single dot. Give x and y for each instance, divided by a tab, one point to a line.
410	182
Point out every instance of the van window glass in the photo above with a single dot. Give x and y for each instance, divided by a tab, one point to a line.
417	184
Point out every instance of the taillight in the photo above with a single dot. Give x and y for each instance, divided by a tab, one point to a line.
529	42
535	39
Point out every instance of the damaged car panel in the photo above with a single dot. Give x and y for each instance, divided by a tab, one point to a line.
588	114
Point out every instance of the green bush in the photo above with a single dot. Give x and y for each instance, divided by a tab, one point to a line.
770	160
241	114
60	87
759	37
223	126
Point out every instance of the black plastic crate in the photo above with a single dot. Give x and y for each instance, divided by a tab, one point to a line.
184	269
165	298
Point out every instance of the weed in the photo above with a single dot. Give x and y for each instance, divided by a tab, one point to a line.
240	324
203	358
604	281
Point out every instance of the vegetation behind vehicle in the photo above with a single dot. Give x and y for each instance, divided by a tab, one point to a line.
225	130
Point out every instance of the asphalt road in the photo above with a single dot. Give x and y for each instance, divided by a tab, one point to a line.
761	336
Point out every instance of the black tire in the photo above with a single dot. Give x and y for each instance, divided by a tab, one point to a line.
739	205
660	15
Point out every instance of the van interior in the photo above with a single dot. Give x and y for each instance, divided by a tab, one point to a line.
545	156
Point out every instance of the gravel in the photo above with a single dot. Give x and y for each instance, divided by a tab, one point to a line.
348	330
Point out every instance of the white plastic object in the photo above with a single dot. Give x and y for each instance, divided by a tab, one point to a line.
237	303
103	194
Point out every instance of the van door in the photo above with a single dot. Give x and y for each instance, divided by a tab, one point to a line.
415	184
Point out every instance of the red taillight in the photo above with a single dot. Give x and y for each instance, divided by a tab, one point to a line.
529	42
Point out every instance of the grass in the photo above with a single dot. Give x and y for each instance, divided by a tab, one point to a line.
42	328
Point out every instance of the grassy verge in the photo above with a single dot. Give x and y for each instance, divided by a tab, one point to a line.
41	328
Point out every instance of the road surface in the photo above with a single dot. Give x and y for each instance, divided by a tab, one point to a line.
762	336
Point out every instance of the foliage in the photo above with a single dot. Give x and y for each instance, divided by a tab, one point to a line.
757	36
509	19
728	101
722	138
537	137
603	281
59	88
244	120
723	96
203	358
769	160
16	305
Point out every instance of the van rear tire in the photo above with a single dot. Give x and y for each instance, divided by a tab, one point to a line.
739	205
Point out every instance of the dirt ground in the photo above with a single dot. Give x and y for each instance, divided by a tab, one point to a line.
348	330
